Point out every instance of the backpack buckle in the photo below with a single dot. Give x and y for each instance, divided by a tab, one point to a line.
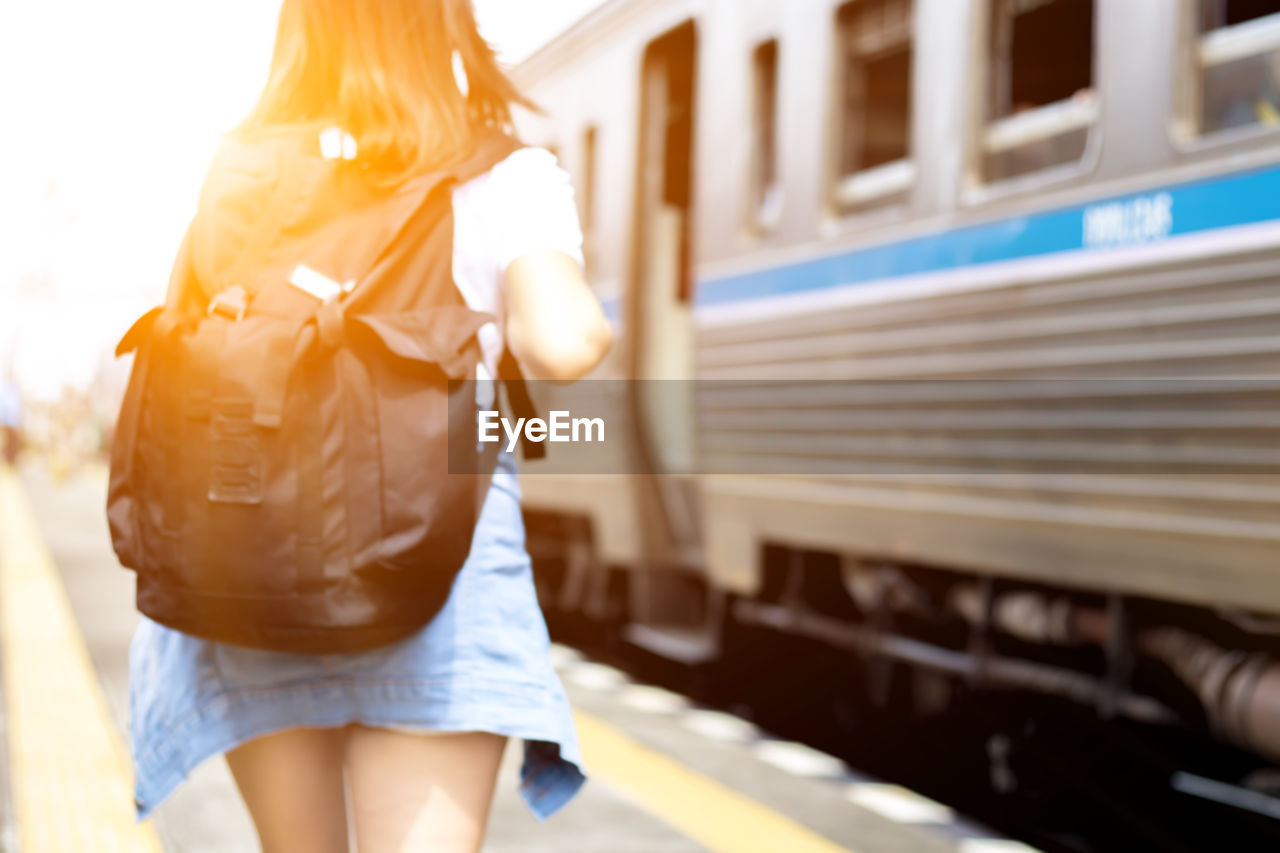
230	303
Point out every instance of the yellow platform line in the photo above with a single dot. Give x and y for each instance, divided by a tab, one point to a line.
71	779
701	808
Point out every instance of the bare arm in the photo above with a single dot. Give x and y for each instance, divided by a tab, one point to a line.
555	325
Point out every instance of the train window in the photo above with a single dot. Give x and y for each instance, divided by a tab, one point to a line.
766	193
874	131
1041	97
1239	55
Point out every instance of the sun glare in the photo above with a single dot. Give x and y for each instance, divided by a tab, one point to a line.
118	108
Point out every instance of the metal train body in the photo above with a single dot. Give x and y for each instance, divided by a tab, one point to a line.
1154	253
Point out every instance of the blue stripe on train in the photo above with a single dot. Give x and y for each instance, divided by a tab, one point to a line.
1238	199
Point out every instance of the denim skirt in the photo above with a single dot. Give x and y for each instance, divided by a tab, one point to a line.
482	664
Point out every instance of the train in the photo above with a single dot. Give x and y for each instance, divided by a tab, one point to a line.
1016	245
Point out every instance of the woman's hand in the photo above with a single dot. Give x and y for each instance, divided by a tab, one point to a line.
555	326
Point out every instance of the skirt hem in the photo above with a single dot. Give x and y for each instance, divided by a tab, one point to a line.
551	772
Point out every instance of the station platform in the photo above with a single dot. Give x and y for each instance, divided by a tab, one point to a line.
665	775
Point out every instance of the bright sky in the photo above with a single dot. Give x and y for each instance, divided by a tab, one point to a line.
112	111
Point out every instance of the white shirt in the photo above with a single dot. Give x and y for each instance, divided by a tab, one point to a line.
523	204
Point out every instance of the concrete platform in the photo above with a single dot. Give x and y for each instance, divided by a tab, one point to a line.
665	776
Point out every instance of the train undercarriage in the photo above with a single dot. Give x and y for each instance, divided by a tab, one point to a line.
1071	719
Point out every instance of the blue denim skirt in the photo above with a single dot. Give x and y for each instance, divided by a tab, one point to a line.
482	664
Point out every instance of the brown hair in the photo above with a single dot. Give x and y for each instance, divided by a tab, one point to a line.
384	72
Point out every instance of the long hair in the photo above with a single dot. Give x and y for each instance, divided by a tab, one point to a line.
384	72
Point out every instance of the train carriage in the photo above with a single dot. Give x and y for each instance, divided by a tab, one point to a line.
1027	250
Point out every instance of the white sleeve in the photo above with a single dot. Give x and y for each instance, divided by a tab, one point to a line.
532	208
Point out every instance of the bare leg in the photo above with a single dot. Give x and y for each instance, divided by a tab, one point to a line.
292	783
421	792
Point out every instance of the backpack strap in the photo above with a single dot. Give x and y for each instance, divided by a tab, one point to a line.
513	380
495	146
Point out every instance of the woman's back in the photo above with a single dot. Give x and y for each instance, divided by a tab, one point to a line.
294	726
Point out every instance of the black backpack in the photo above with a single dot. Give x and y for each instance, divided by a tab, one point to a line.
281	472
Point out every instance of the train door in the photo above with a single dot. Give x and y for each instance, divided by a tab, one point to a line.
662	343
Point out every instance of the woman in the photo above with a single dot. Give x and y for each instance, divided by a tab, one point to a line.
404	740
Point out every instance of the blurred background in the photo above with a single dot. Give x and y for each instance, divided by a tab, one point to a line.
953	325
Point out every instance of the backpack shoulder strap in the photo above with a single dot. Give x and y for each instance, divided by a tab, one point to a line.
493	147
512	378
